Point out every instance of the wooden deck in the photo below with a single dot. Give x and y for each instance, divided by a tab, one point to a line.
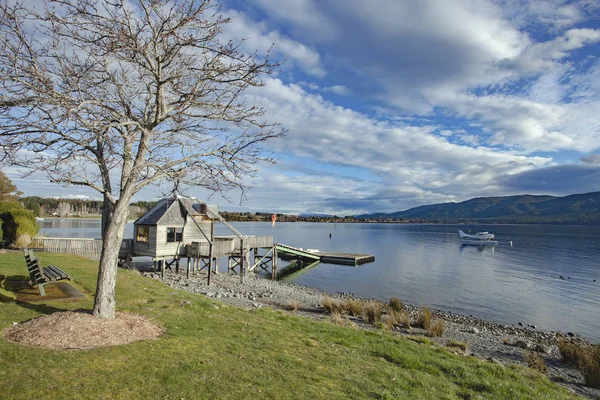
346	258
326	257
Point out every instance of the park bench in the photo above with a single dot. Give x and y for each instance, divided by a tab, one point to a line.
40	276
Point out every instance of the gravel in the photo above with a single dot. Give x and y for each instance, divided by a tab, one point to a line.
498	343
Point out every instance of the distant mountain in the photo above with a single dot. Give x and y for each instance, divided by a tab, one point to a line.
572	209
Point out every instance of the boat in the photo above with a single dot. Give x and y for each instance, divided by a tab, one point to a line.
478	238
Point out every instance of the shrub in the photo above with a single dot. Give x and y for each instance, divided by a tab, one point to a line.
399	318
437	328
536	362
585	357
352	307
395	304
424	318
389	321
337	319
23	241
16	222
372	311
294	305
403	319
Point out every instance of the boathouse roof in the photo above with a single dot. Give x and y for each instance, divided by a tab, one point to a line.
154	215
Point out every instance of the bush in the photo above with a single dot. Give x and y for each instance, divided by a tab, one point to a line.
395	304
372	311
536	362
401	318
584	357
331	306
424	318
16	222
294	305
437	328
352	307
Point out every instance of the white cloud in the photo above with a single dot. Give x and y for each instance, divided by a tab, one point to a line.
397	152
340	90
257	37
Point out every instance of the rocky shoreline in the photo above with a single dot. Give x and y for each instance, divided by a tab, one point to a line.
503	344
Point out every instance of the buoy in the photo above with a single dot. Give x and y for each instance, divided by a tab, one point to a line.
510	242
330	235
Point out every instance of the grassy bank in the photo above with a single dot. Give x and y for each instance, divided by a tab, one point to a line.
230	353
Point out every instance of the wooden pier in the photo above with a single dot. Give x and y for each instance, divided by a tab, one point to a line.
326	257
346	258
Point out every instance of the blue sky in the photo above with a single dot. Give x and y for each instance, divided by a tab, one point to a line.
394	104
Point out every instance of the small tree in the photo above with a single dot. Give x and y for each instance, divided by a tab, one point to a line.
116	95
8	191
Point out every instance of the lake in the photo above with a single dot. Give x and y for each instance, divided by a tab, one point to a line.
427	265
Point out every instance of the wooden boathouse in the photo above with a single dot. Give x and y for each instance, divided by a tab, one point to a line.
177	228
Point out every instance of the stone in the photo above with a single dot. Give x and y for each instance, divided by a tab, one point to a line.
522	344
186	303
474	330
533	326
520	324
210	294
540	348
219	295
216	307
570	334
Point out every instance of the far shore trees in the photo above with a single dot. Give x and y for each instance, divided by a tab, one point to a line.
116	95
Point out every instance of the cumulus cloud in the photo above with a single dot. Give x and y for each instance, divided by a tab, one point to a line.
340	90
408	158
485	62
257	37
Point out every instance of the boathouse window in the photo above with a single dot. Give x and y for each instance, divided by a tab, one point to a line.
174	235
142	234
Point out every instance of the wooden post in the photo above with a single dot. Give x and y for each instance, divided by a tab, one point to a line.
210	261
274	263
242	254
254	257
177	265
216	265
188	267
153	265
162	268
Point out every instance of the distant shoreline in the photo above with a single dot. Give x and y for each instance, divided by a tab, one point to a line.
346	221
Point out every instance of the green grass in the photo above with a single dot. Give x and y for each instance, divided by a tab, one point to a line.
230	353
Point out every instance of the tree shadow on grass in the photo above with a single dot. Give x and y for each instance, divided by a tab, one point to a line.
18	284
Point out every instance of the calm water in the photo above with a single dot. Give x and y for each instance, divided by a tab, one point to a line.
426	265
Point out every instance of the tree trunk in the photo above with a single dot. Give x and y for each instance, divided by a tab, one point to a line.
104	304
107	210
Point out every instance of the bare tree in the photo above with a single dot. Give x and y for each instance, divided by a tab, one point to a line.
116	95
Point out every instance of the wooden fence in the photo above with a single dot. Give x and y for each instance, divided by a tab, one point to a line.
90	248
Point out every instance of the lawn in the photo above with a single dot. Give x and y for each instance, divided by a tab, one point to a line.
214	351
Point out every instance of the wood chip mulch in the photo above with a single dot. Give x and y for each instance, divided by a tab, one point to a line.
82	331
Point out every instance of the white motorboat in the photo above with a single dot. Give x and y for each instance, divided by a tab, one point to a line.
479	237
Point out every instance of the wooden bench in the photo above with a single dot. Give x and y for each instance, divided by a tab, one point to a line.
40	276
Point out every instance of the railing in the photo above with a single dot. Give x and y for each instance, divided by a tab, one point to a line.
90	248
